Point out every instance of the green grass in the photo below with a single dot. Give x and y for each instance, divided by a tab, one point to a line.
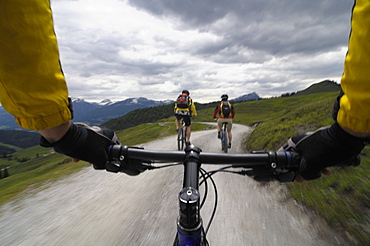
11	146
343	198
278	119
35	173
150	132
30	153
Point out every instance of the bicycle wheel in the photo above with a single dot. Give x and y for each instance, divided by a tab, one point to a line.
224	140
180	138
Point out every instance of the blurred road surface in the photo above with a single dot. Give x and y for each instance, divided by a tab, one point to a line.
100	208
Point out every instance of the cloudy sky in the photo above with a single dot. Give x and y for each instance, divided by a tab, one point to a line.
118	49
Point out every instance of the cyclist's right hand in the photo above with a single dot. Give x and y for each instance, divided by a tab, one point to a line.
326	147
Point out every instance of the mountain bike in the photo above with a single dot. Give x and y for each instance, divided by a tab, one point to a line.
181	136
262	166
224	138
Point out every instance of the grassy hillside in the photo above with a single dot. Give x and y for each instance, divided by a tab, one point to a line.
12	140
31	168
149	132
6	149
324	86
343	199
311	108
280	118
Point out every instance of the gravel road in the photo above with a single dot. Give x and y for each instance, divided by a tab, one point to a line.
100	208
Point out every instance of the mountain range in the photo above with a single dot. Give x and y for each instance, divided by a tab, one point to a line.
97	113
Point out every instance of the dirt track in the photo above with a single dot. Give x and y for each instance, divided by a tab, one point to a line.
100	208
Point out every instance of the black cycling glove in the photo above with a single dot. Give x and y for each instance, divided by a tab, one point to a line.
329	146
85	143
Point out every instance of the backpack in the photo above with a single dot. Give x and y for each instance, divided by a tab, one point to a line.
225	109
183	102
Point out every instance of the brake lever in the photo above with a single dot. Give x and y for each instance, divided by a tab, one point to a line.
281	171
286	177
283	177
112	167
120	162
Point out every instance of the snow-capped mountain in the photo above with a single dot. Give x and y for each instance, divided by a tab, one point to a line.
248	97
98	113
106	102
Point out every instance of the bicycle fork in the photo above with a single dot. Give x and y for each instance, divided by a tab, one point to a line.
189	222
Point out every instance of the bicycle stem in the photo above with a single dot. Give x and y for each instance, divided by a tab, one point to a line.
189	222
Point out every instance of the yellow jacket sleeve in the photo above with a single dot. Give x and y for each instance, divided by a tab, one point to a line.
354	112
193	109
32	85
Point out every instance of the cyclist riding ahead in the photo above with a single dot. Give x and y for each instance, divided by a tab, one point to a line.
226	113
184	108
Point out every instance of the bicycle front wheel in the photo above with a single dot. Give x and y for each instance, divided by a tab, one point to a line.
180	139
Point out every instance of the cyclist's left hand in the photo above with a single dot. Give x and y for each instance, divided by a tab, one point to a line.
82	142
330	146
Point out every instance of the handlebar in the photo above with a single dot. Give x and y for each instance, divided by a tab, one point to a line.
262	166
190	230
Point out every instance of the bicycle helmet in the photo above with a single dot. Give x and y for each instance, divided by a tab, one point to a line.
186	92
224	97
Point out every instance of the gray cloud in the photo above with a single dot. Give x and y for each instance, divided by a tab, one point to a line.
277	27
155	48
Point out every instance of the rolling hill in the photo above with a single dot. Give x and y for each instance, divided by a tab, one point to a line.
323	86
12	140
